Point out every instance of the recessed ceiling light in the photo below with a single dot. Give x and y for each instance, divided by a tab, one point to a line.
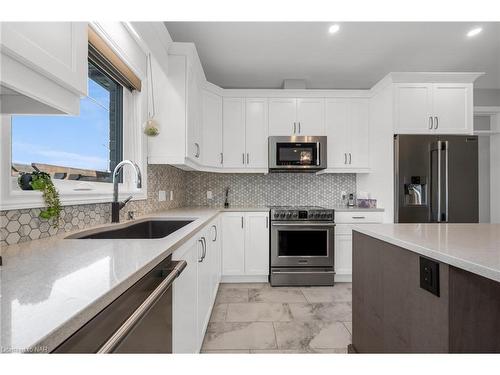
474	31
333	29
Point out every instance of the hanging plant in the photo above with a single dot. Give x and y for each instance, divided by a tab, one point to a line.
41	181
151	127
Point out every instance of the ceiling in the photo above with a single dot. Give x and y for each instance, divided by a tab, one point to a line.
263	54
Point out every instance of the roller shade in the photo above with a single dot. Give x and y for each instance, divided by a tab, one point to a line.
103	56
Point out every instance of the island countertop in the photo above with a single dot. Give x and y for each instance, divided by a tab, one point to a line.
53	286
471	247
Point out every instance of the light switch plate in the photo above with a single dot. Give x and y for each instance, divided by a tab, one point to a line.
209	195
162	195
171	195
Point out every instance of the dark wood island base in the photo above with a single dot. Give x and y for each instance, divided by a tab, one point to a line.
396	310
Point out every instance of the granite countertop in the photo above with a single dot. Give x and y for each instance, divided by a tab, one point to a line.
51	287
471	247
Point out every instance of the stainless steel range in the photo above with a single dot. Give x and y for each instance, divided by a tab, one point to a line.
302	246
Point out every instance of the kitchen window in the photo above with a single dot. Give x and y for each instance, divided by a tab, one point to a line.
81	148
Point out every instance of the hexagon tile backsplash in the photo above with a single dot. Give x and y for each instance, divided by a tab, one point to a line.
190	189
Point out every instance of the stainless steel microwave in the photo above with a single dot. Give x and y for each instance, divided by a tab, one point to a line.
297	154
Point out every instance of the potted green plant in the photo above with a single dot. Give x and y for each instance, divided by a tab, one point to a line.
41	181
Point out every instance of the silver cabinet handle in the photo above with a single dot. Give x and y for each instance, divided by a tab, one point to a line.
243	158
197	153
350	158
431	122
299	128
215	233
345	158
242	221
436	122
358	217
204	247
221	158
202	251
248	158
122	332
294	127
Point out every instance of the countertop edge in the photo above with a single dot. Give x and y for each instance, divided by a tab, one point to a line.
465	265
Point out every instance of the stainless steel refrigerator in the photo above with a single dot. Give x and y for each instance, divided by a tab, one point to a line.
436	179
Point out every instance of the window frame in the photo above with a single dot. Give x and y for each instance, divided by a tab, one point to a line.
71	192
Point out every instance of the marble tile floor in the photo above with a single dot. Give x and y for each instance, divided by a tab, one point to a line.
257	318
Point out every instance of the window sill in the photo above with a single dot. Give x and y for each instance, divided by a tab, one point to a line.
70	193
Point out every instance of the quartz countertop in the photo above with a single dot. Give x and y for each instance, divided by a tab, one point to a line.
51	287
471	247
356	209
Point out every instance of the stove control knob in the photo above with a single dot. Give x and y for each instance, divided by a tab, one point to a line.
276	215
288	215
295	215
282	215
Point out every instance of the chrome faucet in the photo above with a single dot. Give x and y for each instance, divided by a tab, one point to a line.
115	205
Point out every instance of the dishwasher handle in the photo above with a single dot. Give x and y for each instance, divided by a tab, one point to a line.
122	332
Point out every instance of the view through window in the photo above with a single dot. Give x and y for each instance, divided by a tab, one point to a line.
86	147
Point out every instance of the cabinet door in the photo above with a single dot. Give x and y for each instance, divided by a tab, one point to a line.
256	133
185	298
452	105
343	254
311	116
214	241
337	119
257	243
204	285
233	244
359	134
234	133
212	129
194	135
413	108
56	49
282	116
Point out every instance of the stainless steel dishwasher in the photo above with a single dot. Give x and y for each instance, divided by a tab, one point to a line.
138	321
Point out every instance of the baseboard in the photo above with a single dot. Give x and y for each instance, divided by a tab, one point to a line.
245	279
343	278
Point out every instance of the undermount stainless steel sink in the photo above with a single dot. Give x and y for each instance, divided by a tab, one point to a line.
147	229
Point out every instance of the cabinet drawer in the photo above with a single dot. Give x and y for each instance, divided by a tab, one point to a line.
358	217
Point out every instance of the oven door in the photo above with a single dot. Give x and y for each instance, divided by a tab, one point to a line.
302	244
297	153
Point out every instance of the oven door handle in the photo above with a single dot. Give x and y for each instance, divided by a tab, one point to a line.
319	224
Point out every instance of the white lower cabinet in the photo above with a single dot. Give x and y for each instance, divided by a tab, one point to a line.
343	239
245	246
195	290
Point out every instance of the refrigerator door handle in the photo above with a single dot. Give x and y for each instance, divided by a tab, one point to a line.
446	154
439	181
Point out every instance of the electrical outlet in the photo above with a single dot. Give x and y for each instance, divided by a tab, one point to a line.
162	195
171	195
209	195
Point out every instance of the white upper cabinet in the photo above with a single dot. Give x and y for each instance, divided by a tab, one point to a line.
413	104
282	116
194	119
348	132
44	67
311	116
245	134
256	133
233	133
452	108
433	108
212	129
296	116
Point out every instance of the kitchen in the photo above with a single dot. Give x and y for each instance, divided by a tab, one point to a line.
197	199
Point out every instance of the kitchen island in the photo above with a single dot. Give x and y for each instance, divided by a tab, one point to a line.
426	288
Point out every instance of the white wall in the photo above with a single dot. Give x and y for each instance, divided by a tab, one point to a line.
484	179
495	178
380	181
